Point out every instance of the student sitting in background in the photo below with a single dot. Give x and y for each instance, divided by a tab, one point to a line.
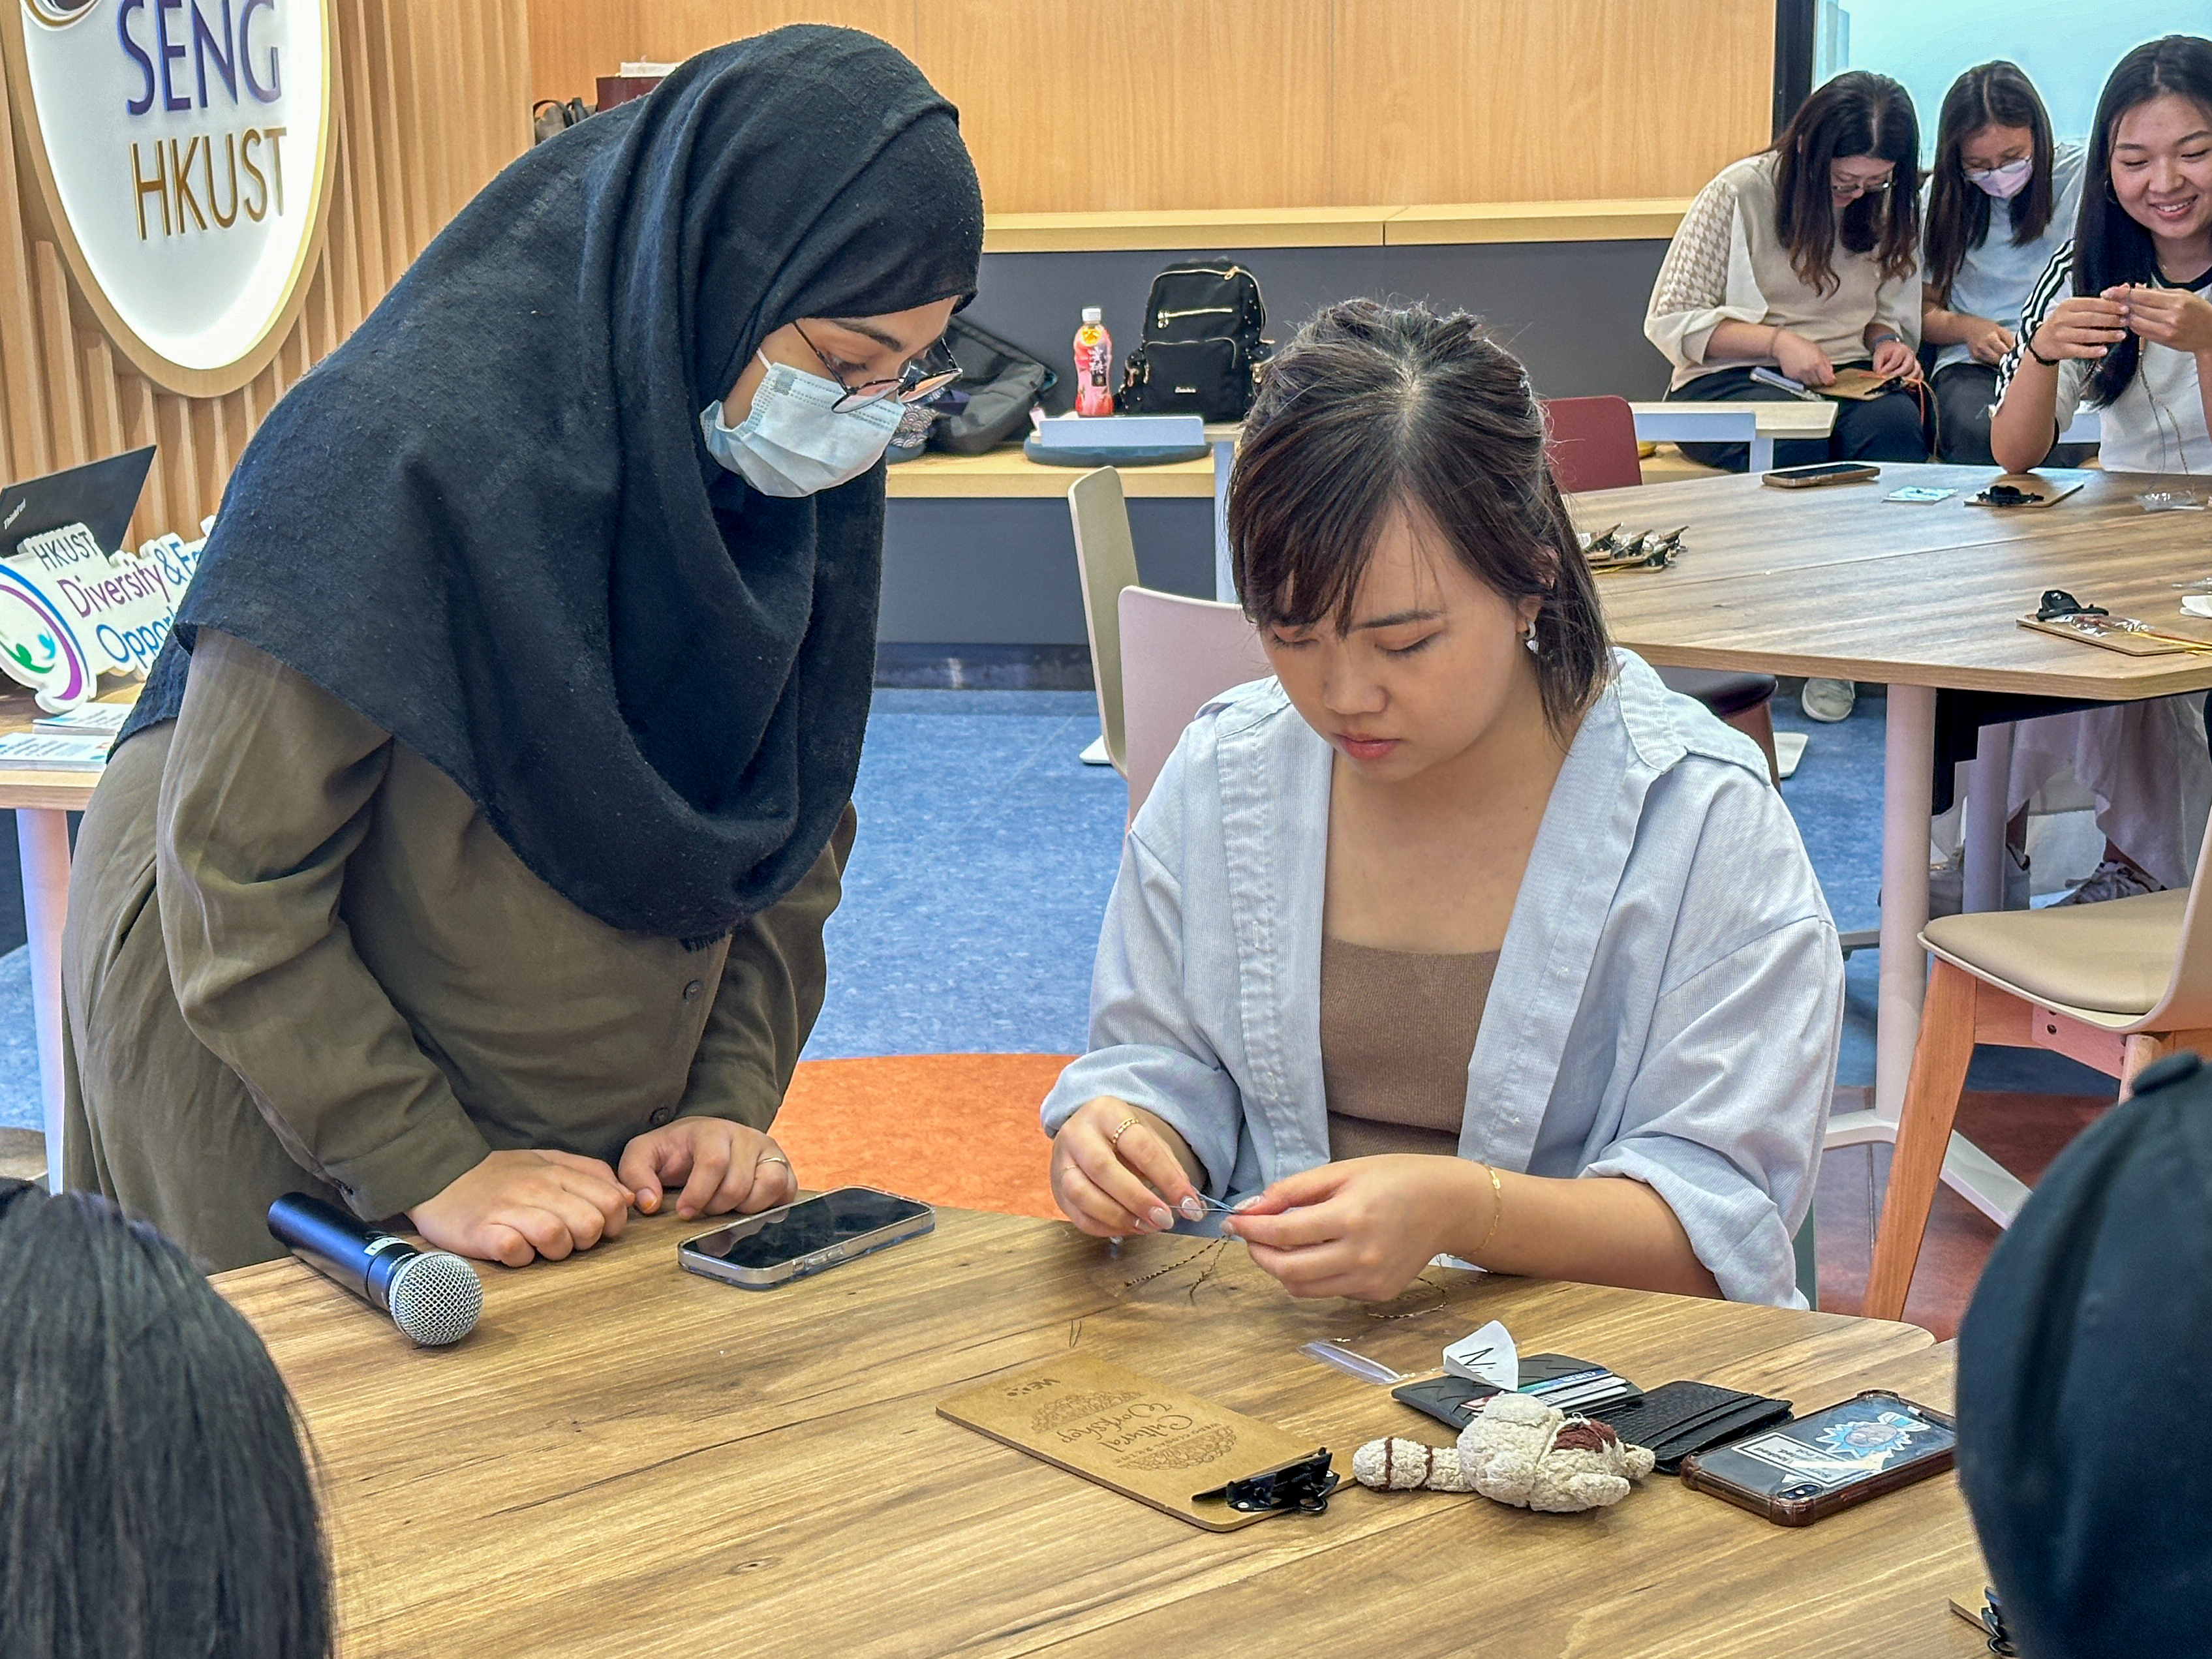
2120	322
1993	145
155	1500
1439	941
1804	259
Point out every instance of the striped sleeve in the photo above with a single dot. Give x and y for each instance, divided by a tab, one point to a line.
2054	285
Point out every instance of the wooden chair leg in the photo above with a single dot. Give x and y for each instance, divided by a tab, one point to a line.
2141	1049
1923	1135
1757	723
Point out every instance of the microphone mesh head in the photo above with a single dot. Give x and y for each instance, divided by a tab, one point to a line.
435	1298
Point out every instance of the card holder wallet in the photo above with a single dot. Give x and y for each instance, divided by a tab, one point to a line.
1678	1419
1445	1398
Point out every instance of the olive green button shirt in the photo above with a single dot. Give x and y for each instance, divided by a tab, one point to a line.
398	994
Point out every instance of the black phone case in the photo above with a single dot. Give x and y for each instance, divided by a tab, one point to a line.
1795	1498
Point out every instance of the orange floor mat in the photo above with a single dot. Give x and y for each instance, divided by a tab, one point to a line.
959	1130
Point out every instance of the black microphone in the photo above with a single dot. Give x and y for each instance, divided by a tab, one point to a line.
432	1295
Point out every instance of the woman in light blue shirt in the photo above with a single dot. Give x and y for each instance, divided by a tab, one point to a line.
1993	150
1461	935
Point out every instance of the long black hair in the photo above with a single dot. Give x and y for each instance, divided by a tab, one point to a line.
153	1501
1857	114
1989	95
1374	408
2110	247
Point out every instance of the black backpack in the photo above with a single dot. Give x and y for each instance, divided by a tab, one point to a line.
1000	381
1201	352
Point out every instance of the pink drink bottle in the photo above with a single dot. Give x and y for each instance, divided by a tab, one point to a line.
1094	365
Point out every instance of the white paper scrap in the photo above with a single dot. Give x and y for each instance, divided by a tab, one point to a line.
1487	1356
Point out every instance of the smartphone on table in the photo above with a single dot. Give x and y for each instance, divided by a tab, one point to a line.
1821	472
776	1246
1871	1444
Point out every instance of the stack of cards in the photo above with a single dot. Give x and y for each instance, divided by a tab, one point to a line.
1572	1385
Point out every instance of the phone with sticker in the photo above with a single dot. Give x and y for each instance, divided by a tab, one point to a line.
1795	1475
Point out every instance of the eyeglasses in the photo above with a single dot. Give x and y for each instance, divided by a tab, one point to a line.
1852	189
917	382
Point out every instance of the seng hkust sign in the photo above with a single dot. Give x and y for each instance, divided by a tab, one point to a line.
182	151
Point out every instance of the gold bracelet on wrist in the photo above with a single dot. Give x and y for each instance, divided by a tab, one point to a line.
1497	1210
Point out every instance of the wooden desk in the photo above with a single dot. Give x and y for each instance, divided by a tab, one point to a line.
1840	583
42	802
1757	424
626	1457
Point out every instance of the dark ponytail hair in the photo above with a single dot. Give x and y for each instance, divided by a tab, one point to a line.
1988	94
154	1502
1857	114
2109	247
1372	408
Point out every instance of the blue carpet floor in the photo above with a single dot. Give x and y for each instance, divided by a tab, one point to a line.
986	850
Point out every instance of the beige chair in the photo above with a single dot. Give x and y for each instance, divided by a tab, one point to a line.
1177	653
2115	986
1106	561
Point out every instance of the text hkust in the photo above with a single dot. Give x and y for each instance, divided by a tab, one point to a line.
208	180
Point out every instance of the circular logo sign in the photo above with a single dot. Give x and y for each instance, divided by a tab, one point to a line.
38	647
184	151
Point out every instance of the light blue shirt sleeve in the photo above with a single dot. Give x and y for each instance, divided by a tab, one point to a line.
1146	1047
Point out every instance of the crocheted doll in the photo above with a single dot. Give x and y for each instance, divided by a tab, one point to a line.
1518	1451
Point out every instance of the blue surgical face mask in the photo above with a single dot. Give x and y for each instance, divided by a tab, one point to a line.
794	442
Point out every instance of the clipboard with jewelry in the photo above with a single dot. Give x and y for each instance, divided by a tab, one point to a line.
1644	549
2059	613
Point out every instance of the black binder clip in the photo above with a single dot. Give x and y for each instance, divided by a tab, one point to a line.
2058	604
1304	1486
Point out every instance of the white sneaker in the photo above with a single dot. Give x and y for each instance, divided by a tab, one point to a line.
1829	700
2110	880
1946	884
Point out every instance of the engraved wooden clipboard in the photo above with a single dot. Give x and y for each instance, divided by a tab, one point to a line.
2099	630
1137	1436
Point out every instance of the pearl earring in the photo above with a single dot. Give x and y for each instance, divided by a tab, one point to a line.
1528	639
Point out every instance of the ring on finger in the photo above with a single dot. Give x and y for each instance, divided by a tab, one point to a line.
1120	1129
772	1157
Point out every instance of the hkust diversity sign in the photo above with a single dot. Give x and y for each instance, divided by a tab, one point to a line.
70	612
183	150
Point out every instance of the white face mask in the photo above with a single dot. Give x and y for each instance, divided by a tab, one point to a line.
2005	182
793	442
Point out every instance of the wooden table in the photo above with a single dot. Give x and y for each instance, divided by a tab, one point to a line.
1840	583
627	1458
42	803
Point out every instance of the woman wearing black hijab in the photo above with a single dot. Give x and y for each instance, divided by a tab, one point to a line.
468	854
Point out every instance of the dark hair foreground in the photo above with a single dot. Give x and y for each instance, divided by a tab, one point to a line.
1989	95
153	1498
1372	409
2081	1367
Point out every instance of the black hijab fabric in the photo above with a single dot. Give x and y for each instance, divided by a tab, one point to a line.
489	523
2085	1362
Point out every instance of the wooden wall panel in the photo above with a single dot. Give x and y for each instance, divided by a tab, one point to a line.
1067	104
1501	101
1213	104
431	100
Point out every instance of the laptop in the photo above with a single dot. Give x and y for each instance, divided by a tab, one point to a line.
101	495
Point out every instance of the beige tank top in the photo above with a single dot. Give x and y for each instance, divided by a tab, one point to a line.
1397	1031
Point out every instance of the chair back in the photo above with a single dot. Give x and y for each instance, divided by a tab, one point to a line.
1106	561
1592	444
1176	653
2187	1003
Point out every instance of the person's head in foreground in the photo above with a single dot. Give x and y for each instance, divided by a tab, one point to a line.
2082	1366
1399	541
1439	942
153	1502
